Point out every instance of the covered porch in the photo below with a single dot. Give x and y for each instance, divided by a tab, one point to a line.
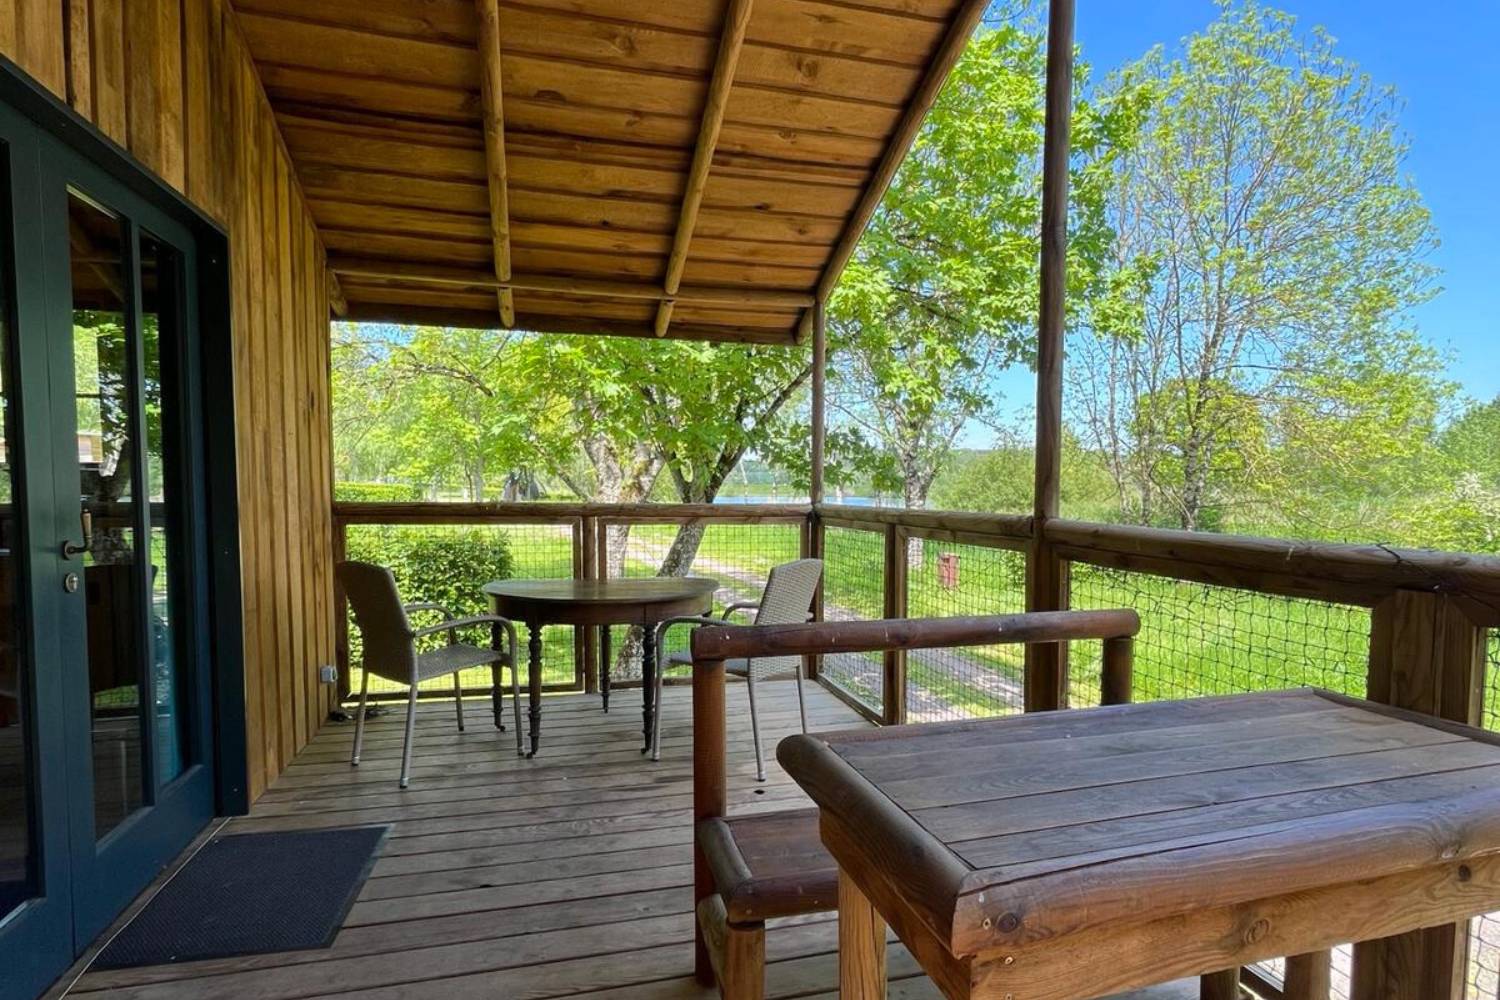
668	170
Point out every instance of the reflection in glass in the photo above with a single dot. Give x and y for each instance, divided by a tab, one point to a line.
106	442
159	269
17	863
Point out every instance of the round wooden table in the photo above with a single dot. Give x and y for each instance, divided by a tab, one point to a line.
645	602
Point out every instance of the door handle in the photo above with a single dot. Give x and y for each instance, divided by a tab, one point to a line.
69	550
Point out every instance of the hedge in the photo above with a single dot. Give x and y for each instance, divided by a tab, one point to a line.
376	492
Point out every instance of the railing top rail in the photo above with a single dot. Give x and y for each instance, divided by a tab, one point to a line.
1014	526
735	641
1374	566
367	512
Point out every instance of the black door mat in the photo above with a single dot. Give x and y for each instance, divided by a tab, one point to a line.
249	894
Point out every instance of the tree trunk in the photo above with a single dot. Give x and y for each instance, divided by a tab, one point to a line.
915	498
677	562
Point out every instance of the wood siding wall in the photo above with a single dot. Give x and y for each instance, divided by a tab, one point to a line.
172	81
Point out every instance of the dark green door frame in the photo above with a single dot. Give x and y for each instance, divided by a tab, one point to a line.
86	884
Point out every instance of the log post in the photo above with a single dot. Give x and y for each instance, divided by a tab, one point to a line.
819	402
1308	977
893	685
1117	672
1046	574
588	570
812	548
340	611
1427	655
710	790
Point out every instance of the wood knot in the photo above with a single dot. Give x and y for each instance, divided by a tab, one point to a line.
1257	930
1009	922
1464	874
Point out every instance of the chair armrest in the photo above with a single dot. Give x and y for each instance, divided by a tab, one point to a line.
740	606
661	630
470	622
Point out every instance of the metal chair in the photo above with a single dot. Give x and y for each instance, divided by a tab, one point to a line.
787	600
390	651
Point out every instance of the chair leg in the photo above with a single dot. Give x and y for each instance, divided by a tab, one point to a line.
359	719
656	715
743	964
497	694
458	699
801	701
411	726
760	763
515	703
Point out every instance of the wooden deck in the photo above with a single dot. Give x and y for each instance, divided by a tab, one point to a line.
567	875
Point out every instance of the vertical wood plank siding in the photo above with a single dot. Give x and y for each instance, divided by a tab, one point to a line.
184	98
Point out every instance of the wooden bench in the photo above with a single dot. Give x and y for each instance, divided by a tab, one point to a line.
750	869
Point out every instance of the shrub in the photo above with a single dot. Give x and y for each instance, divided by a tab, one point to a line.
376	492
439	564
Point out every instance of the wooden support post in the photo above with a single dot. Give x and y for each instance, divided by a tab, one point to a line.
861	945
1427	655
1220	985
819	402
337	304
812	548
589	539
893	686
731	42
1046	575
710	789
1308	977
492	91
340	613
1117	672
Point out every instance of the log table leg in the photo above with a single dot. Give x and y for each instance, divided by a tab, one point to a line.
534	682
1308	977
1220	985
861	945
648	681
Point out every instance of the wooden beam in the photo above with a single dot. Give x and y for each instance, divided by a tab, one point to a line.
731	41
479	319
491	88
1047	585
952	47
762	299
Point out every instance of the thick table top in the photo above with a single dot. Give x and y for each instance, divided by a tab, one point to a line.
630	601
1004	833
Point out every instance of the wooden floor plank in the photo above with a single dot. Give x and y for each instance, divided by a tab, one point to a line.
566	875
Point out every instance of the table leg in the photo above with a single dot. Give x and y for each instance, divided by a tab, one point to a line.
534	682
497	688
648	681
861	944
604	661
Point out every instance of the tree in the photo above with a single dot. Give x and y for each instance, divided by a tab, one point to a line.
942	291
1471	443
1264	228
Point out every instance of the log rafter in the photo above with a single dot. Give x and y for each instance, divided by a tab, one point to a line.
731	42
403	272
491	89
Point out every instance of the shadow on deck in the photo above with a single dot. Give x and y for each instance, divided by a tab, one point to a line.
567	875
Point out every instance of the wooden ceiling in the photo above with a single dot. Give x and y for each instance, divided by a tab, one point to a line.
682	168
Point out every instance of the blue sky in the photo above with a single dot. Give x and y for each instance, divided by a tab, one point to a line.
1444	60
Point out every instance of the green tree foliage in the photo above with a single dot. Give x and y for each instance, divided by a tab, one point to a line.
942	292
1268	246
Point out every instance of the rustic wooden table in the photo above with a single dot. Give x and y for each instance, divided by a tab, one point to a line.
643	602
1069	855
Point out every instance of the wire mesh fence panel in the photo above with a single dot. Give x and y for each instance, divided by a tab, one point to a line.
1199	639
1484	932
447	564
945	580
738	556
854	590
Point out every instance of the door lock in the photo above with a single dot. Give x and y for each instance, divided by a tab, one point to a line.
69	550
70	583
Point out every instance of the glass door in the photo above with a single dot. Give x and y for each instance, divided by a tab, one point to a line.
117	305
36	894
